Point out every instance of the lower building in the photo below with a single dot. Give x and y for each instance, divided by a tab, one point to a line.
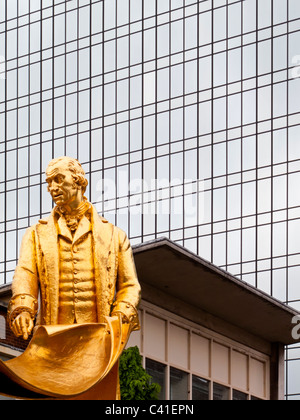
205	335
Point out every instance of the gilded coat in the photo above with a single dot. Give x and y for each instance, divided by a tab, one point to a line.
116	283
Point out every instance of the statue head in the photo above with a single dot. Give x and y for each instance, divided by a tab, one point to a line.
66	181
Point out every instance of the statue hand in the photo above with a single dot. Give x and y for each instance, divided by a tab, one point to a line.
23	325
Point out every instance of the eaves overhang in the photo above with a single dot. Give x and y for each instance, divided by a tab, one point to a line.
172	269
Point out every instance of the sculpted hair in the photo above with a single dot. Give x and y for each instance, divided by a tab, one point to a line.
75	168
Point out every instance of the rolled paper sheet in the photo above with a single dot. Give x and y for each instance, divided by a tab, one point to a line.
66	362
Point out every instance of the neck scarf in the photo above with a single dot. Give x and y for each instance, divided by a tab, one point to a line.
73	218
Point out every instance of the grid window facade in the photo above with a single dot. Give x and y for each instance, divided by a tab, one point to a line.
185	115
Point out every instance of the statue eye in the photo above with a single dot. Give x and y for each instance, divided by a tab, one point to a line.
59	179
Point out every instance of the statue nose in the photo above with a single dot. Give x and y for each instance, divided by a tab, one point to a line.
53	187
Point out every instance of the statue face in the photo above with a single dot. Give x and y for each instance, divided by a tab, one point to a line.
62	186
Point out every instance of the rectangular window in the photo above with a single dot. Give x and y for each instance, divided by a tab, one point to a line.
200	389
239	396
2	328
220	392
158	373
178	384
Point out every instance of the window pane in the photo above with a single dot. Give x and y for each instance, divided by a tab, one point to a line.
239	396
158	373
220	392
178	384
279	99
163	40
200	389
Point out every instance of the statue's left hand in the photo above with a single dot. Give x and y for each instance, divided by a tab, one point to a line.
23	325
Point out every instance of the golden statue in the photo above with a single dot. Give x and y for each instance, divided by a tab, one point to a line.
76	280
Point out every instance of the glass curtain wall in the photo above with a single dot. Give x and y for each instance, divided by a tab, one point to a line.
185	115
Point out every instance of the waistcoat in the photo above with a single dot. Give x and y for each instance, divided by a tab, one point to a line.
77	295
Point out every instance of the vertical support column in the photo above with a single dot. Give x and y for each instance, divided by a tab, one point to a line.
277	372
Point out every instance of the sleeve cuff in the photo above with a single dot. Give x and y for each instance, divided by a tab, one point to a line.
130	313
19	304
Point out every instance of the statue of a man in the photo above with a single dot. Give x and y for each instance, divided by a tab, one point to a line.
74	267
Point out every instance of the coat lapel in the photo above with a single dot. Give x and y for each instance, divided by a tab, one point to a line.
103	240
48	238
63	230
83	228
